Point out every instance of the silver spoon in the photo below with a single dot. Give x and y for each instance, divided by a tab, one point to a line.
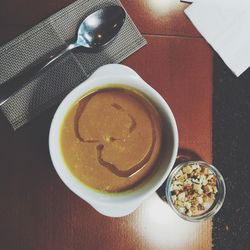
96	30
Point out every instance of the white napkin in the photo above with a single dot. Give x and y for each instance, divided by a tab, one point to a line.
225	24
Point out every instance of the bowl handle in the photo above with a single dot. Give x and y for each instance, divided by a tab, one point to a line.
114	70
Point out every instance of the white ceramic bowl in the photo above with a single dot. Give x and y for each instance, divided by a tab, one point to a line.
116	205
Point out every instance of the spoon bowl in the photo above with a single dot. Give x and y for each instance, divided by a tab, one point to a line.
101	27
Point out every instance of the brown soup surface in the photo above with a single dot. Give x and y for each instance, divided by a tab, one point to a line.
111	138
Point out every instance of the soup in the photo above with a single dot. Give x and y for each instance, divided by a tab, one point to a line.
111	138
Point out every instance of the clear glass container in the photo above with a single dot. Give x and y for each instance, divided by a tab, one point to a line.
219	197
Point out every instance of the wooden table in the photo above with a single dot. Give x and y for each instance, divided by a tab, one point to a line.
38	212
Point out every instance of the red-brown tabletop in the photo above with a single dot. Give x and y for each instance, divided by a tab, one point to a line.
37	211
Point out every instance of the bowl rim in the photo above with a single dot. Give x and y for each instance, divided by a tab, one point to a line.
91	83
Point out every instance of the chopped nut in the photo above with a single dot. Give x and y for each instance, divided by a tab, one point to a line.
182	196
197	188
195	166
200	200
188	182
205	182
187	205
206	172
208	189
179	174
180	203
187	170
173	198
212	196
182	210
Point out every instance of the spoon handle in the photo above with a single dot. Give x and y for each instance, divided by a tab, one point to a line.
8	88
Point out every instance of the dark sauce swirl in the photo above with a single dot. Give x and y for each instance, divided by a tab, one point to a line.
100	147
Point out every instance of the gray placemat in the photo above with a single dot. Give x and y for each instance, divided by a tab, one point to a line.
49	87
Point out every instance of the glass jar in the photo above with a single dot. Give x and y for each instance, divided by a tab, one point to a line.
219	197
